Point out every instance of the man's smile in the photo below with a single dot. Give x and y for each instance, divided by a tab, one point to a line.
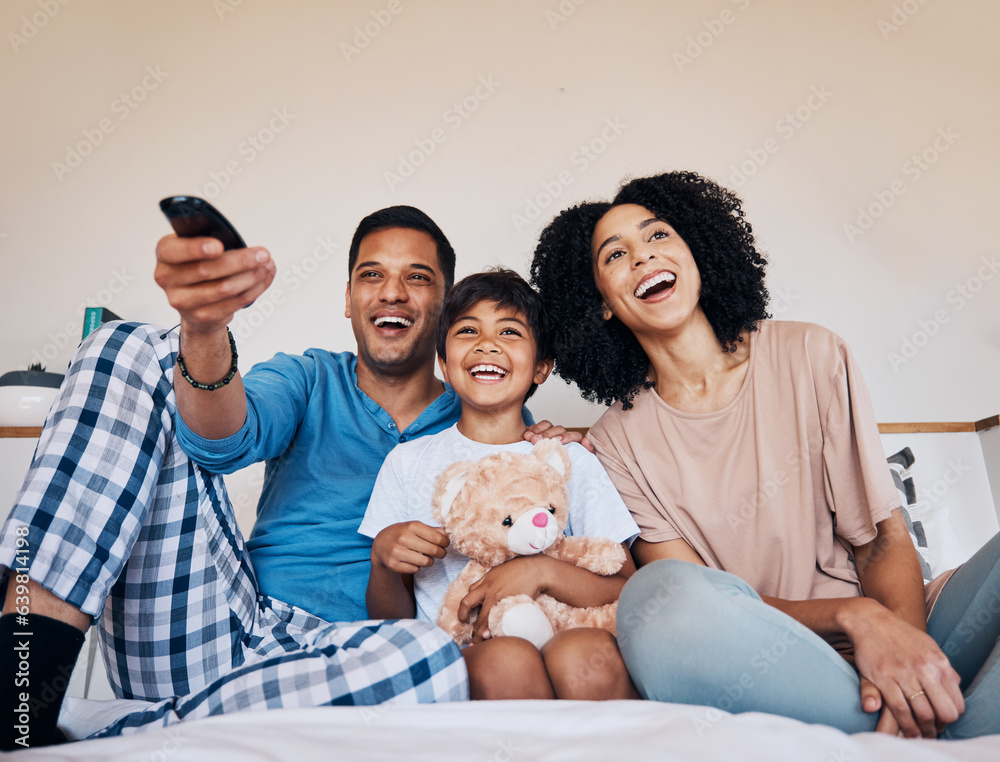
392	322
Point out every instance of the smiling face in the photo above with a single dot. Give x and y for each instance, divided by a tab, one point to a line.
644	271
394	298
491	359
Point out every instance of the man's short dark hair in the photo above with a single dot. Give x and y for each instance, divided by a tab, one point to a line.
506	289
411	218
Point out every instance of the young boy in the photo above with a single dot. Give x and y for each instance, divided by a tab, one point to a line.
493	350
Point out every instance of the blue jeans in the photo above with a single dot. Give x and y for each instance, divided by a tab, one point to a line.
693	635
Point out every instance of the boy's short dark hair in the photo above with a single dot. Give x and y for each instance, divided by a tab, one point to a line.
410	218
505	288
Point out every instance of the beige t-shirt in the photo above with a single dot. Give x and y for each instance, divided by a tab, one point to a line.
776	486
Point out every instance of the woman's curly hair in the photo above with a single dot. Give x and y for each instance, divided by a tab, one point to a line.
603	357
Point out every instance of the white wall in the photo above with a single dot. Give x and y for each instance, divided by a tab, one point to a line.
559	76
15	457
990	442
954	495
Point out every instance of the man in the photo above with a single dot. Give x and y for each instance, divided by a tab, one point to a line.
114	519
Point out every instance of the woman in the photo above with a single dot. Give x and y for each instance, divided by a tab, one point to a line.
748	448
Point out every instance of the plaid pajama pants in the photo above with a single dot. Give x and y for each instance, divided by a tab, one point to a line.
121	524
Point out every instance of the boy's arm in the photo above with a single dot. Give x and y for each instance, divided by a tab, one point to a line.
399	551
535	575
395	556
389	594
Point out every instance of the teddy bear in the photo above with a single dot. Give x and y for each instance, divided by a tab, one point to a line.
511	504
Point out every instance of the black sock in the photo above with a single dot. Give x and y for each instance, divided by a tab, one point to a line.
37	655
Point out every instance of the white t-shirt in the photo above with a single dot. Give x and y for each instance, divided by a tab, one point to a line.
409	475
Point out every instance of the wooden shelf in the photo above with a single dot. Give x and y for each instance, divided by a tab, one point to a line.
939	427
988	423
20	431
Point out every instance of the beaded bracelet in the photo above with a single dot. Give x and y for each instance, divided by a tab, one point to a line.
218	384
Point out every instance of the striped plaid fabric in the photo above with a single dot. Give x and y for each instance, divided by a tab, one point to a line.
125	527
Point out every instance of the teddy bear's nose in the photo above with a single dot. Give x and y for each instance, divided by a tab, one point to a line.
540	519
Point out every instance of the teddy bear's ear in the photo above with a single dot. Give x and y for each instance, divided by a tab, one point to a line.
552	453
450	483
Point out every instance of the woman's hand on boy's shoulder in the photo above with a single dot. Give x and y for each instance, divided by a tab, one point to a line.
548	430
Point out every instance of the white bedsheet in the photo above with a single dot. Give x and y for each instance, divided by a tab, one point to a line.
506	731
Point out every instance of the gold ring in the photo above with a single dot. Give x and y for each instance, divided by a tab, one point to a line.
918	693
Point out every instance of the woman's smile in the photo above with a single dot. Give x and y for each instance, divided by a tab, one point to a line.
655	284
641	265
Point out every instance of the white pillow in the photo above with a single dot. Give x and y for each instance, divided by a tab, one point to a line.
929	524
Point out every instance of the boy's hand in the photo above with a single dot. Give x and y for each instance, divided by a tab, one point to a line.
521	575
409	546
548	430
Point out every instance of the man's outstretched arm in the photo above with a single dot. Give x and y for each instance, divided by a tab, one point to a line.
206	286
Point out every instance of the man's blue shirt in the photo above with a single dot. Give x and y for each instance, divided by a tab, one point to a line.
324	441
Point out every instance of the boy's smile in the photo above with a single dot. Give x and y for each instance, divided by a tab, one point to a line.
487	372
492	359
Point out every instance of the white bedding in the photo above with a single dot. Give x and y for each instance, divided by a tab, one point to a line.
507	731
